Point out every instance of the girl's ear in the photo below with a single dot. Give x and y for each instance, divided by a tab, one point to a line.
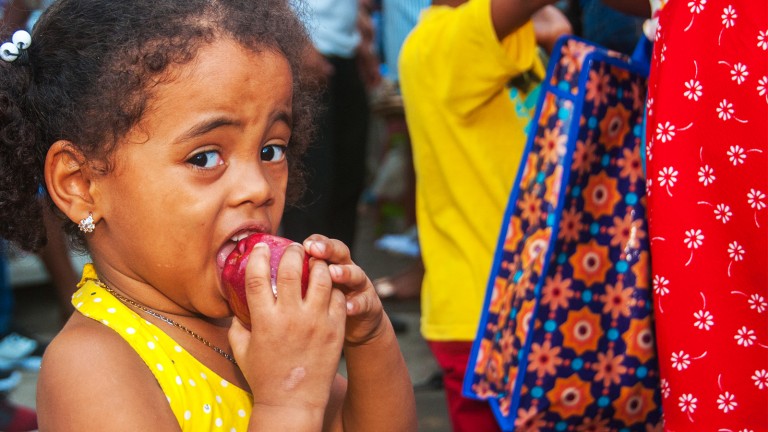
68	180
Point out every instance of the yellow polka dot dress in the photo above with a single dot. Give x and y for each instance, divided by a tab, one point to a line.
200	399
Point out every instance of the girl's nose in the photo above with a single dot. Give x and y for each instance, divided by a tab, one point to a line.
250	185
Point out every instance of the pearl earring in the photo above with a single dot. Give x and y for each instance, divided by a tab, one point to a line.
86	225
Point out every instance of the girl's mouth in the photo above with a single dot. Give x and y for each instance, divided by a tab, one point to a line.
229	246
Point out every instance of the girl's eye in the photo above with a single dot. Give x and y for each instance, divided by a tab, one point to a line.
206	159
273	153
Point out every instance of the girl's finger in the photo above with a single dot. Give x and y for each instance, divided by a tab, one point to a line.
258	283
349	275
320	285
289	276
331	250
239	340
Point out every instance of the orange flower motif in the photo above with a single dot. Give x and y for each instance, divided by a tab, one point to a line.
573	53
529	420
552	144
483	390
584	156
614	127
543	359
548	109
530	207
552	186
524	315
536	248
639	340
596	424
530	171
556	292
507	345
581	331
514	234
620	73
499	295
642	270
590	263
494	371
570	396
486	346
633	404
626	232
609	368
597	87
617	300
570	225
601	195
631	164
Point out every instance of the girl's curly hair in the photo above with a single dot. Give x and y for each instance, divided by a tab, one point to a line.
89	76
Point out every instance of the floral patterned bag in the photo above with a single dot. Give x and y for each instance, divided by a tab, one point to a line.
566	338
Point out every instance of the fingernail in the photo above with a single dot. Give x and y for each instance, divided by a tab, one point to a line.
319	247
335	270
260	245
349	307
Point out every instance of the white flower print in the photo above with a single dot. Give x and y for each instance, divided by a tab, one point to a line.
735	251
665	390
725	110
706	175
681	360
660	285
760	378
726	402
739	73
736	155
693	90
687	403
745	337
704	320
667	178
723	213
649	106
649	153
762	87
757	302
665	131
729	16
693	238
762	39
696	6
755	199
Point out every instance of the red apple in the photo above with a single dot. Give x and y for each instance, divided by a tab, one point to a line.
233	273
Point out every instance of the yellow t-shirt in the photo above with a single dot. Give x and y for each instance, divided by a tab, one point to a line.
467	143
201	400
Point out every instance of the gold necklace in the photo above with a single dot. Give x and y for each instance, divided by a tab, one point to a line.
148	311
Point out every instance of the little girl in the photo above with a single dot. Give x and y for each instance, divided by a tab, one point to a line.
163	131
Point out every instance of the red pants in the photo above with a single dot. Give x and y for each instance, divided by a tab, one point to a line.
467	415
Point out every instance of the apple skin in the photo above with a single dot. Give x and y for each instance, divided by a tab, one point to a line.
233	273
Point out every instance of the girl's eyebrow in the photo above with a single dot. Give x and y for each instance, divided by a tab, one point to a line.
206	126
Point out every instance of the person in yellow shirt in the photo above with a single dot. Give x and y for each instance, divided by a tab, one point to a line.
467	143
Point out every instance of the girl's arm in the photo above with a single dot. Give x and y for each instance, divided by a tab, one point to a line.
379	393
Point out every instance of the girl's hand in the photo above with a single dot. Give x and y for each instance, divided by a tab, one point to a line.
291	355
365	315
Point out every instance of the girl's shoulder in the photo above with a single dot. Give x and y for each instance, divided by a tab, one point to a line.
88	373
